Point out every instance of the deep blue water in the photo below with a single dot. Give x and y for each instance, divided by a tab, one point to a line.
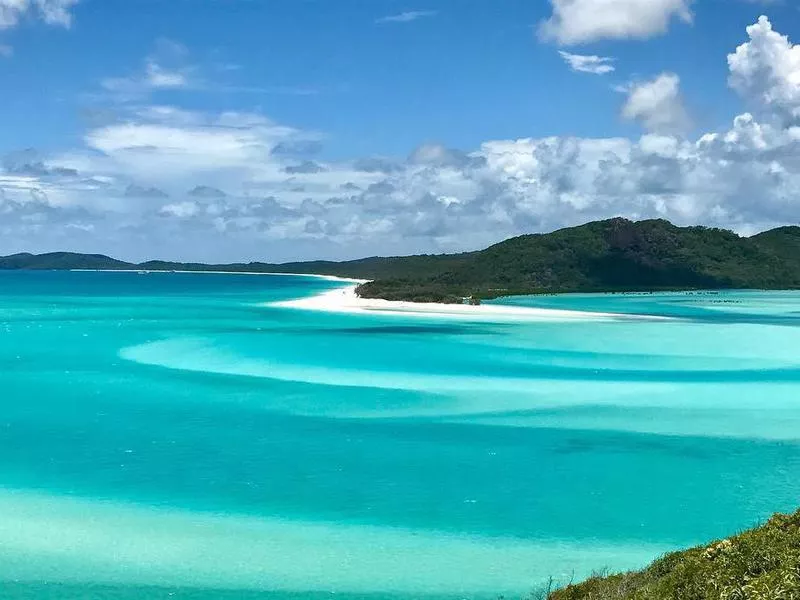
175	434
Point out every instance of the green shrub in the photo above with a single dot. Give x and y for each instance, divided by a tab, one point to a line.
760	564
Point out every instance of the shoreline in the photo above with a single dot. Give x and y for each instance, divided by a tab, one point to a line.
346	301
158	271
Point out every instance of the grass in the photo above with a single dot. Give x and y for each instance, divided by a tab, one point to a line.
759	564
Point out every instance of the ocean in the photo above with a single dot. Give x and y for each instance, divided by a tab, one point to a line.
180	436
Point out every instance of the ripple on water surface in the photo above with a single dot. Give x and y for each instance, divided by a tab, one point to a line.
169	432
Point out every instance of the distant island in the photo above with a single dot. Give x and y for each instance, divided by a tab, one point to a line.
615	255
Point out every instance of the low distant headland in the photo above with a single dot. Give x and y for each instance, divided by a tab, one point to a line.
615	255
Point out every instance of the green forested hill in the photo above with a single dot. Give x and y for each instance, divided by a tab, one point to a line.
612	255
760	564
783	241
367	268
55	261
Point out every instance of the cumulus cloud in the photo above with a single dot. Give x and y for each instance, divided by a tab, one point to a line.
28	162
298	148
138	191
657	105
305	167
582	21
207	191
275	206
766	71
596	65
52	12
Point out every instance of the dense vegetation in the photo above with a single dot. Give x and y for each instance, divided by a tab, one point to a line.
367	268
60	260
612	255
760	564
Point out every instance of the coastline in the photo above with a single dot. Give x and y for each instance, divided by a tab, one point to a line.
346	301
158	271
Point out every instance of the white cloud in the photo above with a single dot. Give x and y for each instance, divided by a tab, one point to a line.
181	209
766	71
169	67
52	12
596	65
170	144
582	21
407	17
165	68
437	200
132	189
56	12
657	105
157	76
6	51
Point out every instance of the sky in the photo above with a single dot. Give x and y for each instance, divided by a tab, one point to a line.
278	130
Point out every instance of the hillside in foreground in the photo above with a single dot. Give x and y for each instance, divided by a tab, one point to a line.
759	564
616	255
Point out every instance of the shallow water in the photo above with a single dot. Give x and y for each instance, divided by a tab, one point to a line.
172	435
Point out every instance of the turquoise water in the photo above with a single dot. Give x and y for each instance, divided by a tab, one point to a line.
174	436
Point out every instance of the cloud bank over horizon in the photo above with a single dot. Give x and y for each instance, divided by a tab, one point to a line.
152	180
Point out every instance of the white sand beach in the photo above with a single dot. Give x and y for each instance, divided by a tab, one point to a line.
345	300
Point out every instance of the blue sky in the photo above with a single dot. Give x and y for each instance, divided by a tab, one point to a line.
335	128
